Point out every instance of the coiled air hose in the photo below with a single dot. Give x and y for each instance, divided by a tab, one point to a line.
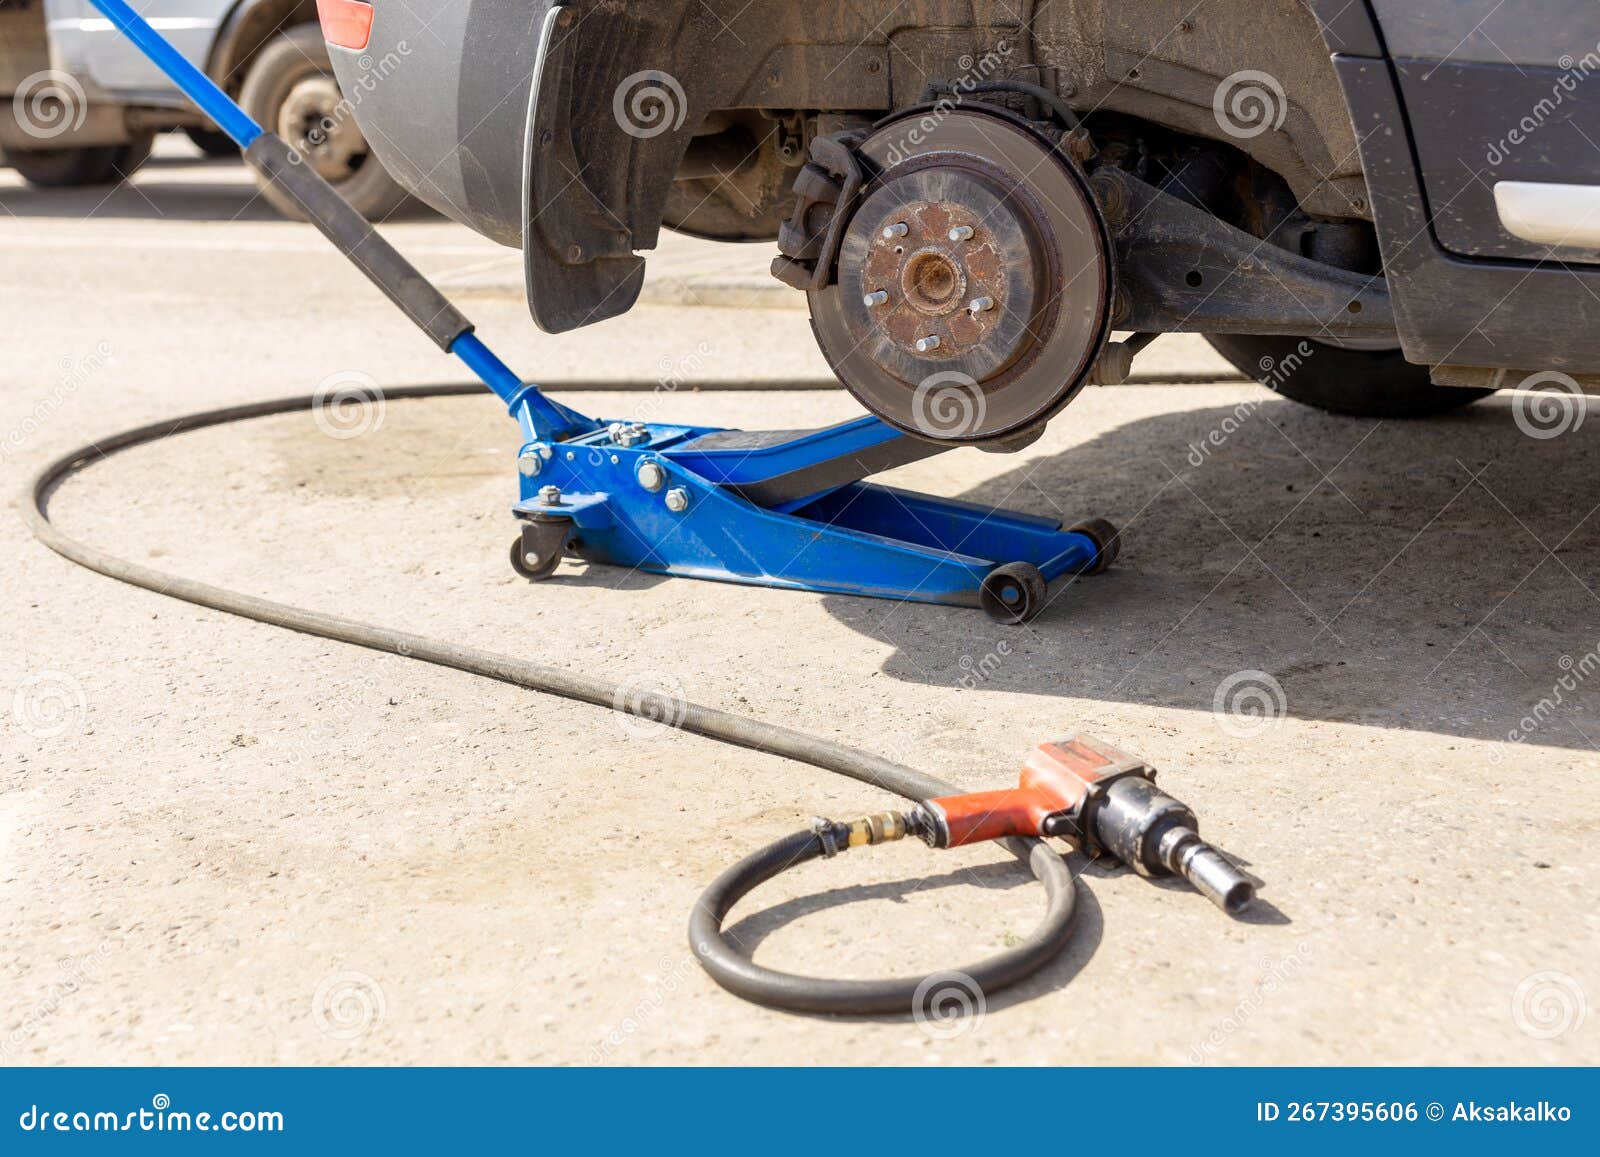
712	947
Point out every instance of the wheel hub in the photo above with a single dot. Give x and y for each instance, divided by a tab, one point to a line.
311	120
973	282
964	272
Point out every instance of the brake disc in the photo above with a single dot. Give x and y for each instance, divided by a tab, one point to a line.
974	279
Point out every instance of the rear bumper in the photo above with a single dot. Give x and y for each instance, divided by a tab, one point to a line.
441	93
448	102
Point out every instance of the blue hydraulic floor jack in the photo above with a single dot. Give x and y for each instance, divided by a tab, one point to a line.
774	508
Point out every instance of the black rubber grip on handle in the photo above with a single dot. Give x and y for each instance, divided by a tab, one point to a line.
271	156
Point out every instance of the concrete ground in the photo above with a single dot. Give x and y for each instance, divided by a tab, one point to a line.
223	843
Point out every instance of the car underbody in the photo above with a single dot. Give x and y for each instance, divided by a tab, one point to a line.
981	192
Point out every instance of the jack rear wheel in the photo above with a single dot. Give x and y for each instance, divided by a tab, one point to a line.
1107	542
1013	593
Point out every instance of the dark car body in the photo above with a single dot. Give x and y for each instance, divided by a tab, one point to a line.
1461	132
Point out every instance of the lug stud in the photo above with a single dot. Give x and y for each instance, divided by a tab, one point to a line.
980	305
927	344
960	233
898	229
876	297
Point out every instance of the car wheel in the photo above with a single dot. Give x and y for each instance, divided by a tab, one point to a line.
214	143
290	90
1365	383
91	165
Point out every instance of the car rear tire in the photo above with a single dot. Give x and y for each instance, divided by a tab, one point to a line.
1361	383
90	165
214	143
290	90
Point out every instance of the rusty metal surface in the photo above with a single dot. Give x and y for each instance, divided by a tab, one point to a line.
1181	269
1037	252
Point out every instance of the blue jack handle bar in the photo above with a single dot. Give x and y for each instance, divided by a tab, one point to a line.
273	157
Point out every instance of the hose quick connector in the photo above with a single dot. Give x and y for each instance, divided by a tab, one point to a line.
879	828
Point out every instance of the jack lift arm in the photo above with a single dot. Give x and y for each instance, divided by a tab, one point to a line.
779	509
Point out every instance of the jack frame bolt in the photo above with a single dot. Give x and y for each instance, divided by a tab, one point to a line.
628	433
550	495
980	304
876	297
898	229
926	345
960	233
530	463
651	476
677	500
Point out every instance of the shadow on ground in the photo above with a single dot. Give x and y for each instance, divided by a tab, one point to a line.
1435	575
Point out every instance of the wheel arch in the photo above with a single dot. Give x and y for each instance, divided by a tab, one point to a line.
246	30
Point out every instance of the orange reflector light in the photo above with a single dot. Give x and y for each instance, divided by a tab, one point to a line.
346	23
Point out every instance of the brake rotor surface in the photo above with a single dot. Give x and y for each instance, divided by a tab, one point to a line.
973	284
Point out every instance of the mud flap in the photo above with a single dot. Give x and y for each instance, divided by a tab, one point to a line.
578	258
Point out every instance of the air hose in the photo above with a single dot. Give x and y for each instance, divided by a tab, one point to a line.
721	958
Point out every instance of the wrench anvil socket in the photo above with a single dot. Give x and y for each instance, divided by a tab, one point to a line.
1100	799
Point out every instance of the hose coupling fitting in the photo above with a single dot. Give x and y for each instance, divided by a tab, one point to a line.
879	828
1103	801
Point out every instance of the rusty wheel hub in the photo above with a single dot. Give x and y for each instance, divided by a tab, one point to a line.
964	273
973	282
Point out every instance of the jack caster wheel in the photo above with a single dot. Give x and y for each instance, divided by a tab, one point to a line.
537	551
520	562
1107	542
1013	593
